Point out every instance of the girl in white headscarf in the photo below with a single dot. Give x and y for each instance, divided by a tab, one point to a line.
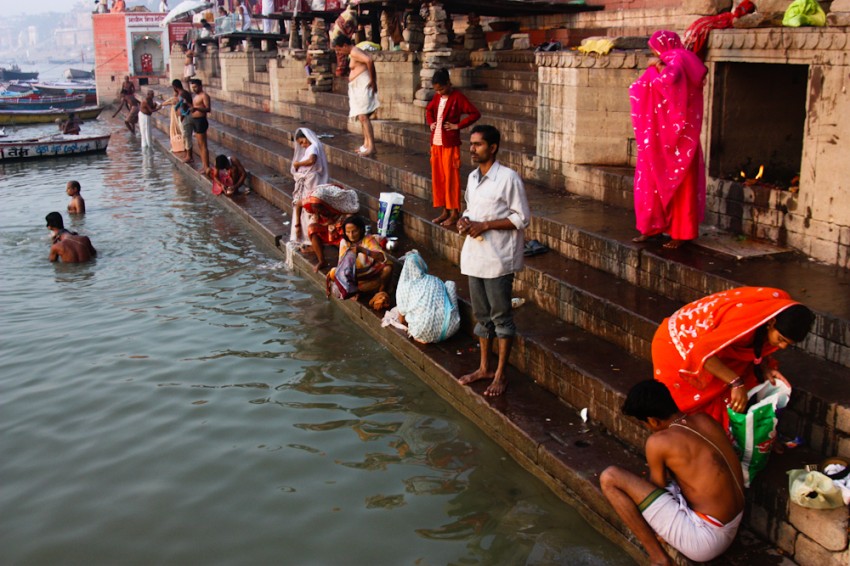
309	169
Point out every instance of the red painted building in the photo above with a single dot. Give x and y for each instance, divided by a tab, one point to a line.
128	43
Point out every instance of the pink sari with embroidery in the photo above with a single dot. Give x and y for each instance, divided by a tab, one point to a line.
667	111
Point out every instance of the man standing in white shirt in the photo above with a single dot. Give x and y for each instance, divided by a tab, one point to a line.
496	215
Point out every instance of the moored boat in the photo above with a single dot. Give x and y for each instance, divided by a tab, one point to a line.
58	145
68	88
14	73
42	102
8	117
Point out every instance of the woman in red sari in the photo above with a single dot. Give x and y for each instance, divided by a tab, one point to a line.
710	352
667	111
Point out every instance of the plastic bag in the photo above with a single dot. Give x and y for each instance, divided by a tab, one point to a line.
389	212
804	13
813	490
753	432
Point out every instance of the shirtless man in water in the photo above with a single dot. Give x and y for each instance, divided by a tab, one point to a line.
362	90
201	107
699	511
68	246
77	204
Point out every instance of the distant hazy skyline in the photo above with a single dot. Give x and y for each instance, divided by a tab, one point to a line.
42	6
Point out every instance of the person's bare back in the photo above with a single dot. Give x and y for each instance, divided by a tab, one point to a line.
709	475
71	248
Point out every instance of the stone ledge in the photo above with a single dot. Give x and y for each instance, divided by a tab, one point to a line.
802	45
614	60
826	527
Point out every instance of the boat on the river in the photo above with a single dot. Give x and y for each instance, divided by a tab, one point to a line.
68	88
8	117
42	102
58	145
78	74
14	73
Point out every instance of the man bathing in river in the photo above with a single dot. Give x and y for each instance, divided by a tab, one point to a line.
77	204
699	511
68	246
496	216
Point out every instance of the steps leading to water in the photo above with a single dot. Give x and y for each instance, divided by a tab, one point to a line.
594	301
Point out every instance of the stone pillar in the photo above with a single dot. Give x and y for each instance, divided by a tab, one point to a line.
286	79
413	36
235	71
321	74
436	52
398	79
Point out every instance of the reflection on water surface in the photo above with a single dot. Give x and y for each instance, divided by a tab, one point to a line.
185	400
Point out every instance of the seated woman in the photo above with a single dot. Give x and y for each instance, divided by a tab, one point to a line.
309	169
328	205
710	352
373	268
228	175
426	304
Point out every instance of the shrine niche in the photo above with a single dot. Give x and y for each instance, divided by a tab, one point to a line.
147	55
757	136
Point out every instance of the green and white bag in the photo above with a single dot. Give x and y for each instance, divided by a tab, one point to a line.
753	432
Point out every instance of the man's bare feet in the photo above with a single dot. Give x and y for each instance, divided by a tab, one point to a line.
368	153
475	376
451	220
496	388
674	244
441	218
319	266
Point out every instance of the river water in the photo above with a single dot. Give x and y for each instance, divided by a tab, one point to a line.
184	399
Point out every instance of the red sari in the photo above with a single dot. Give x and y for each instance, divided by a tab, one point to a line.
722	325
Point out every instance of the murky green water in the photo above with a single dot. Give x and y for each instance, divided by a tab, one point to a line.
186	400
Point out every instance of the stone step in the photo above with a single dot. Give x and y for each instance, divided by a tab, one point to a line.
610	308
506	103
507	81
261	77
584	230
535	427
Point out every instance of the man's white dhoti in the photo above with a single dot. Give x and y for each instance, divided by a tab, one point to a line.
361	98
145	129
700	538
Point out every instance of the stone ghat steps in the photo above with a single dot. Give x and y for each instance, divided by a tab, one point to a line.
536	428
611	308
587	231
331	113
524	82
504	60
507	103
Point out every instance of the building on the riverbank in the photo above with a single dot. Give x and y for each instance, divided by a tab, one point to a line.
775	96
128	43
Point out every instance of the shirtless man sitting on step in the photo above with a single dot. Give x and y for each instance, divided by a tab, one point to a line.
694	498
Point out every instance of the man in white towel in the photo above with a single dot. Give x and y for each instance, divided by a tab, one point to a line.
694	495
362	90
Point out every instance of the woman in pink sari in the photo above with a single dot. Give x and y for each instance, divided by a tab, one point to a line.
667	110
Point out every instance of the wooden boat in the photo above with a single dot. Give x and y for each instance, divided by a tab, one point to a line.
67	88
8	117
42	102
59	145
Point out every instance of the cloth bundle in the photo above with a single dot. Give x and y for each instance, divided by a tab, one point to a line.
341	200
428	305
804	13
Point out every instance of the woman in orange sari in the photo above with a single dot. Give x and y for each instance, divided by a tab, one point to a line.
710	352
